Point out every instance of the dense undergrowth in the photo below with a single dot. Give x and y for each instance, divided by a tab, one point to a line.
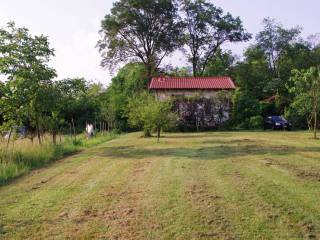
23	156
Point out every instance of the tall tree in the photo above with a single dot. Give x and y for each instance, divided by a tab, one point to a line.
130	79
140	30
306	88
275	40
208	28
24	61
79	102
221	65
252	73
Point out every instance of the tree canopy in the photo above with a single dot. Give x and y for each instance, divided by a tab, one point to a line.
140	30
207	29
306	89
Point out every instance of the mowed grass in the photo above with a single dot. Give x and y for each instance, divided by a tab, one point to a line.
219	185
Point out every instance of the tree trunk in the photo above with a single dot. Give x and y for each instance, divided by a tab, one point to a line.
158	134
39	137
8	142
54	138
315	125
194	66
149	72
38	132
309	122
147	133
74	130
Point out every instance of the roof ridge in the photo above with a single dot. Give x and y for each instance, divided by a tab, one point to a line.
166	77
207	82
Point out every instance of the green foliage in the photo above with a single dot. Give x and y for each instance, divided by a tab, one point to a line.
146	112
256	122
266	70
78	102
30	97
24	61
131	79
305	86
220	65
140	30
245	106
274	41
252	74
296	118
207	28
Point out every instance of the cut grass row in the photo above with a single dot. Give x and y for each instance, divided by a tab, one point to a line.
23	156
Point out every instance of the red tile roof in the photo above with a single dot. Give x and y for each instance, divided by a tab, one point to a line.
191	83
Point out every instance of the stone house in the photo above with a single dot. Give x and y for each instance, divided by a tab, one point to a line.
201	102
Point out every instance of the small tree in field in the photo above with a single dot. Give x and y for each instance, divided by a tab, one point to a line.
145	112
306	88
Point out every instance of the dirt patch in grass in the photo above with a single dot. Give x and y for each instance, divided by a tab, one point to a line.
298	171
309	174
309	230
211	210
124	219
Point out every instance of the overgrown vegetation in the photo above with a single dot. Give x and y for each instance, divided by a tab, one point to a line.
33	105
22	156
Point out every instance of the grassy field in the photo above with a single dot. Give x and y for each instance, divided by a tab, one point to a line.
221	185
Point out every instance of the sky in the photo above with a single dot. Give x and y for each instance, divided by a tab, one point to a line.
72	27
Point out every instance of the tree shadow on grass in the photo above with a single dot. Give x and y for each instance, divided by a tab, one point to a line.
194	135
218	152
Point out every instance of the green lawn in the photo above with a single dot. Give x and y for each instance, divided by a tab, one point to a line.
220	185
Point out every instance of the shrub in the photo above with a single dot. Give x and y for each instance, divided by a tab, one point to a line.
256	122
245	106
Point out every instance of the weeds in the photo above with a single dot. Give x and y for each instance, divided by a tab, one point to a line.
23	156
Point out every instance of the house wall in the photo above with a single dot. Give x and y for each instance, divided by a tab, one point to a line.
165	94
206	110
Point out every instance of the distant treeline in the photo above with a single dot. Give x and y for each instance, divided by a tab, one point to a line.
139	34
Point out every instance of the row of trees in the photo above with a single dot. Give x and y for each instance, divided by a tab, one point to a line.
31	98
148	31
141	33
268	72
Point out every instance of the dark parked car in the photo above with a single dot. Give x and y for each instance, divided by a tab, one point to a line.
277	123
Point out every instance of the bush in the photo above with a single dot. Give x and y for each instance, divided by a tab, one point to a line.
297	120
256	122
245	106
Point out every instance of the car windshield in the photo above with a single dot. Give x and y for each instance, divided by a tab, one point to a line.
278	118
